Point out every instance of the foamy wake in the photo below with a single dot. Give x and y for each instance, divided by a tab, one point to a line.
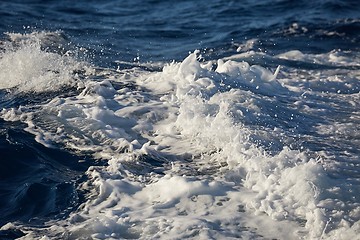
191	152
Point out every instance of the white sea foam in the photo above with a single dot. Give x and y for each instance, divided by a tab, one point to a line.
335	57
226	169
27	65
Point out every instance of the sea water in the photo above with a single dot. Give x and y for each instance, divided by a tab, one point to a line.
179	119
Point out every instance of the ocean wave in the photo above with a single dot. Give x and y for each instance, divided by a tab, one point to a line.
39	62
198	149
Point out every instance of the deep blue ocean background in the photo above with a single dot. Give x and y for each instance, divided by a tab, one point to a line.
38	183
167	30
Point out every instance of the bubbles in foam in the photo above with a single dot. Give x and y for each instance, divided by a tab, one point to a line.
195	129
29	63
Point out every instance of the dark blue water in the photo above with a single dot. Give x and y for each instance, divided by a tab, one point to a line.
38	183
167	30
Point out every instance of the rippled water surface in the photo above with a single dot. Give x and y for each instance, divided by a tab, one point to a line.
179	119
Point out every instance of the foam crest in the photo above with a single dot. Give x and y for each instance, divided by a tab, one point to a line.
288	185
28	64
332	58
